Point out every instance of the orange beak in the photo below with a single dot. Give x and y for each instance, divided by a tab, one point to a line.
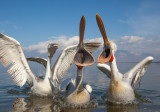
82	56
105	55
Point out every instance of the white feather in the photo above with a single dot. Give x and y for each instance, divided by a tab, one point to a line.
136	73
12	54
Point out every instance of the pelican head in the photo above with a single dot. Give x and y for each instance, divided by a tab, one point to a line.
113	47
52	47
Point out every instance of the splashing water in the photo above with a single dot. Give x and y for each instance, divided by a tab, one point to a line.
59	103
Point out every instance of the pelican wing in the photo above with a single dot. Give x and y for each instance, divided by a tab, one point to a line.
38	60
65	60
92	46
105	69
136	73
12	54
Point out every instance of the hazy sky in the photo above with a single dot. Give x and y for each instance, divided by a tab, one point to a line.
133	24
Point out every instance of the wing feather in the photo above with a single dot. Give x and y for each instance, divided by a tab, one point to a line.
65	60
137	72
12	54
105	69
92	46
38	60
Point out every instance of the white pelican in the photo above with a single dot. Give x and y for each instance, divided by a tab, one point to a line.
75	93
121	88
11	53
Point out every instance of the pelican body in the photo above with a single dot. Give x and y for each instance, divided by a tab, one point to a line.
78	93
45	87
122	86
120	90
11	53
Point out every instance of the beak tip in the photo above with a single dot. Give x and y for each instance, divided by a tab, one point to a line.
97	14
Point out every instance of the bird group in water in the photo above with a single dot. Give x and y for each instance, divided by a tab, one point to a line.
121	88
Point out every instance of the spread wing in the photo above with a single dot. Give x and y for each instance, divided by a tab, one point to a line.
105	69
38	60
65	60
136	73
11	53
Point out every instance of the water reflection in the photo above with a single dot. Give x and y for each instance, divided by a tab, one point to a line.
76	110
122	108
19	105
48	104
32	104
36	104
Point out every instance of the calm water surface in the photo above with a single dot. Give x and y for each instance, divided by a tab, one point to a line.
15	99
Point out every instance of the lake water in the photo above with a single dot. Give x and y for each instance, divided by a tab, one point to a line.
16	99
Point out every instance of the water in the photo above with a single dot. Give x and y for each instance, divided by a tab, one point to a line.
16	99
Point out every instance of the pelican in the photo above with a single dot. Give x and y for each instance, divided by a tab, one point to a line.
11	53
76	92
122	86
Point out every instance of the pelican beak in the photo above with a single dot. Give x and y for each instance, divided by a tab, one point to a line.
82	56
54	45
105	55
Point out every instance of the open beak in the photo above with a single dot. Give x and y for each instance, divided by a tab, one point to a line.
105	54
82	56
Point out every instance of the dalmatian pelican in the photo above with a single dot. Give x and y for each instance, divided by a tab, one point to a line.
77	92
122	86
11	54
